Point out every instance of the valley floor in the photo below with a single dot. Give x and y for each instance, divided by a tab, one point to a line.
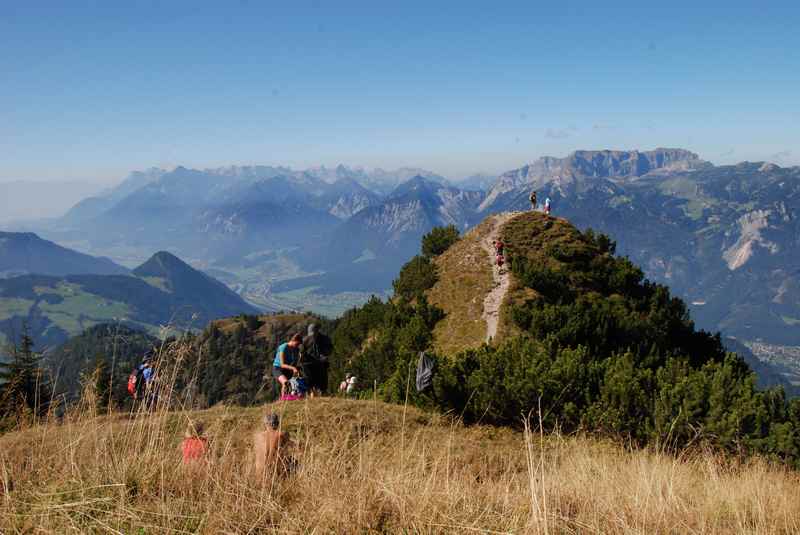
369	467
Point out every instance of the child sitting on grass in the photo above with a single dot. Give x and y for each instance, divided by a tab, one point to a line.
270	448
194	447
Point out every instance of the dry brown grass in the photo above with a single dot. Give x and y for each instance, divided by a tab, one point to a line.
365	466
465	278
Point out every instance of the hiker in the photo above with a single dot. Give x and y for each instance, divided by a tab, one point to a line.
344	383
499	260
315	352
499	247
270	447
547	206
142	381
351	384
195	445
532	198
287	355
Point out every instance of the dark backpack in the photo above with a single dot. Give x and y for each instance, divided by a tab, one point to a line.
318	346
425	366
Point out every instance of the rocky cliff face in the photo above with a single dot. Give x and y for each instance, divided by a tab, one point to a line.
417	206
566	173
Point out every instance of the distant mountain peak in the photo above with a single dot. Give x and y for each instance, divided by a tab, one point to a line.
162	264
417	184
768	167
26	252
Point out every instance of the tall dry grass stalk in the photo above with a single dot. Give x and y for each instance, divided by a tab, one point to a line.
365	466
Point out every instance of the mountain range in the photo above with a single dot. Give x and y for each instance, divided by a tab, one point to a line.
724	238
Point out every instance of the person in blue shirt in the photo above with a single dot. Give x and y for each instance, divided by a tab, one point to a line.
286	359
148	387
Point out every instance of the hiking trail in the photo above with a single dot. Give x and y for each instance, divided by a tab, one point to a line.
501	278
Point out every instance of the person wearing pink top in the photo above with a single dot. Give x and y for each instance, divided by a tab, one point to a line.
194	447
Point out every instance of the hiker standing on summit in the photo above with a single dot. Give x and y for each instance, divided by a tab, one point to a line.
315	352
547	206
532	198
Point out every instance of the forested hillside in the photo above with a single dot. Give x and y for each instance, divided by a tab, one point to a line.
164	292
589	340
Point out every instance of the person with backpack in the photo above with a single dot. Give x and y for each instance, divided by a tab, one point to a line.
287	357
532	198
142	381
547	206
316	350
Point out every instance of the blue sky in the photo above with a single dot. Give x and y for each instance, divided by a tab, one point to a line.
92	90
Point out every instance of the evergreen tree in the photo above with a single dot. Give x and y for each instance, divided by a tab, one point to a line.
26	382
438	240
5	377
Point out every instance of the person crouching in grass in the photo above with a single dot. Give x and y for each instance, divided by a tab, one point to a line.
286	359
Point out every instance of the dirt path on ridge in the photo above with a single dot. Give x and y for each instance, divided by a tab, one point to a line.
500	278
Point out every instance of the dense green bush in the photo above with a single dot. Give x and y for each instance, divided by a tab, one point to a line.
418	275
438	240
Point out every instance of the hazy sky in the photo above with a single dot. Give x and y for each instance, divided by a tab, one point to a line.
91	90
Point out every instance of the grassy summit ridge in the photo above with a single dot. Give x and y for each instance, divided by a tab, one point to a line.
464	279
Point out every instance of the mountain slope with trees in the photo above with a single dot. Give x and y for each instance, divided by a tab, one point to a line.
588	339
164	291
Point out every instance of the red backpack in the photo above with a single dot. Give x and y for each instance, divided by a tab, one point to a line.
132	379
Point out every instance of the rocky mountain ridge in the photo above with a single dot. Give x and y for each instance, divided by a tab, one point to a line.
571	172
